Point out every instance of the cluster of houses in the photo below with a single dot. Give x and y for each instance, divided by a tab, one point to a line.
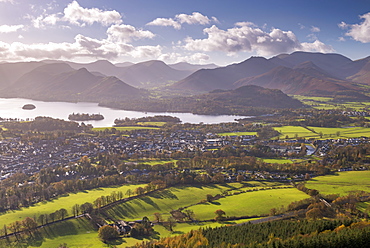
31	157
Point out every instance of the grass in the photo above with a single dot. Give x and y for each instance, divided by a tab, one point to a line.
164	201
327	103
294	131
152	123
277	160
154	161
341	183
66	201
250	203
327	132
79	232
237	133
129	128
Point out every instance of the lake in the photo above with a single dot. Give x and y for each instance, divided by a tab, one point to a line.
12	108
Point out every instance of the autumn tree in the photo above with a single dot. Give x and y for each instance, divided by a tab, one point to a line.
220	215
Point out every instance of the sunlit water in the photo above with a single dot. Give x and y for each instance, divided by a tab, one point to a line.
12	108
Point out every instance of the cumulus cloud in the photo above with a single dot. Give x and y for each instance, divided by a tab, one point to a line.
45	20
166	22
75	14
248	38
127	33
82	47
359	32
194	18
316	46
196	58
10	29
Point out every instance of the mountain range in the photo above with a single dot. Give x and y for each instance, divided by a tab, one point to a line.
299	73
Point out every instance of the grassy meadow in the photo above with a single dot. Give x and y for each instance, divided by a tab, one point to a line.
128	128
66	201
325	132
341	183
236	133
250	203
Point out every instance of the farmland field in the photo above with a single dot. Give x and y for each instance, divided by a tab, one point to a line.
250	203
326	132
245	203
277	160
66	201
128	128
341	183
237	133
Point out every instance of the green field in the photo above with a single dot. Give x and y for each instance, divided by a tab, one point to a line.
277	160
164	201
327	132
123	128
250	203
341	183
328	103
152	123
66	201
80	233
154	161
294	131
236	133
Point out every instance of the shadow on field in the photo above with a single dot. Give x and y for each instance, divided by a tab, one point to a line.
123	210
164	194
149	201
115	242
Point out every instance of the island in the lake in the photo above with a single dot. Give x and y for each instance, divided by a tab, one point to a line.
28	106
85	117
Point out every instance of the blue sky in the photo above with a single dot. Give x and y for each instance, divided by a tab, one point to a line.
201	31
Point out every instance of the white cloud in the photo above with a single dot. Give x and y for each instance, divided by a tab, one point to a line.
44	20
126	33
194	18
248	38
196	58
10	29
341	39
359	32
315	29
316	46
7	1
75	14
165	23
82	47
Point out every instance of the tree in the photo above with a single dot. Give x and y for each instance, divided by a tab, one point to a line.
29	224
158	217
63	213
189	214
170	223
107	232
76	209
220	215
314	213
87	207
